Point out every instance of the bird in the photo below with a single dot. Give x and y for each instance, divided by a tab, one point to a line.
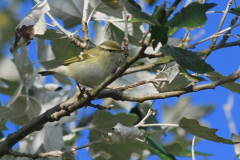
91	67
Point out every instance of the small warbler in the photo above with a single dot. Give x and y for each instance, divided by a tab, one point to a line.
93	66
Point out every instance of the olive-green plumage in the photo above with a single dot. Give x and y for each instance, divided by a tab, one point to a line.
93	66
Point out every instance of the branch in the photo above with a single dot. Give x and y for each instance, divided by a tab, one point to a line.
173	7
149	113
85	24
51	153
136	84
126	42
152	125
123	97
100	107
222	21
36	155
67	33
193	155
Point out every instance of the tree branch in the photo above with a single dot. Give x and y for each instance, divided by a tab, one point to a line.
123	97
173	7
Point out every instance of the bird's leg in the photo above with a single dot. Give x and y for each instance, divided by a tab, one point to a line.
81	90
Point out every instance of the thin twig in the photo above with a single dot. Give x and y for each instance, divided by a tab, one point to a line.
84	146
235	1
85	25
212	36
67	33
187	34
214	40
173	7
193	155
100	107
126	42
136	84
152	125
223	43
91	14
149	113
215	12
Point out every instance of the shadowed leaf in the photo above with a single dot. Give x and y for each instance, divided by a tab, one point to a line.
235	11
192	126
192	16
187	59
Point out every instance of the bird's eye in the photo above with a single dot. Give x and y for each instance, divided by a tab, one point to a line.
110	51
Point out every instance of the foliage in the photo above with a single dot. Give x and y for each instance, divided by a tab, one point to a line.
163	68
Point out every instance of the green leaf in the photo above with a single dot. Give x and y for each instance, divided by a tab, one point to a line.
232	86
192	126
4	116
192	16
102	124
235	11
164	60
191	77
159	33
187	59
10	88
136	10
115	31
177	149
23	64
158	149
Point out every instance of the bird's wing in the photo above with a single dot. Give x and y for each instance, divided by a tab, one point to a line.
86	55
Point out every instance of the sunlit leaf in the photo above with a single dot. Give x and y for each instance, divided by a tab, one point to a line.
232	86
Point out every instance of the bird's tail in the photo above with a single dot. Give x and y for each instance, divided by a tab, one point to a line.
45	73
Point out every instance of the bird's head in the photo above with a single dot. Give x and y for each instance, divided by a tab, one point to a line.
111	47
